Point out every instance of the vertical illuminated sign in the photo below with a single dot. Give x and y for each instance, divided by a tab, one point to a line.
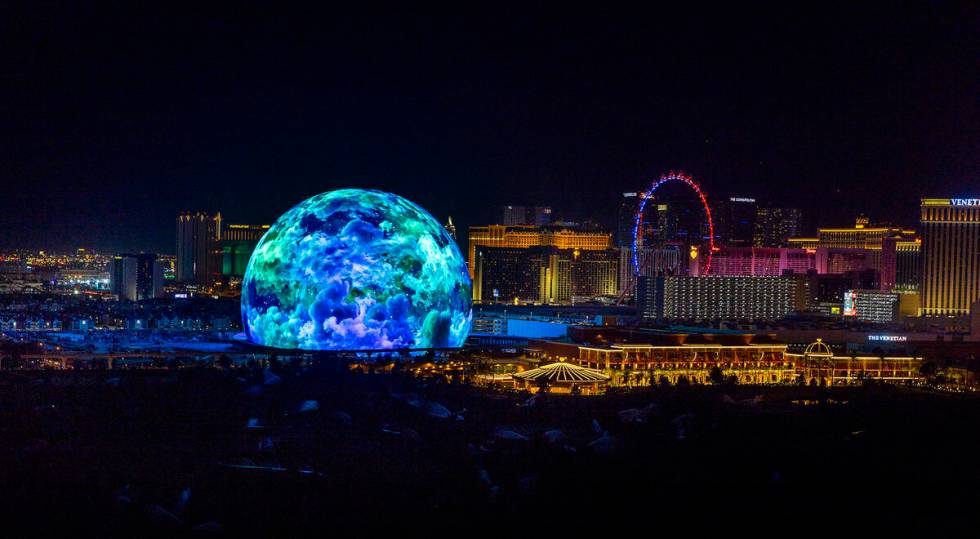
850	303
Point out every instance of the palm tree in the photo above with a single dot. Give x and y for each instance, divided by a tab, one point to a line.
928	370
716	376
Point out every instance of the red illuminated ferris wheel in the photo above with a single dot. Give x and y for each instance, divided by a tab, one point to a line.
648	194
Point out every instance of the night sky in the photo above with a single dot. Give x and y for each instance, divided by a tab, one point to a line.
111	121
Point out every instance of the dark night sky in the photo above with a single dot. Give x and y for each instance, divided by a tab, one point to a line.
111	122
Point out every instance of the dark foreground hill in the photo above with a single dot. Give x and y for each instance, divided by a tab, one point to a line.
326	450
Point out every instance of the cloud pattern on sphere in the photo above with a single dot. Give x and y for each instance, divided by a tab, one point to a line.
357	269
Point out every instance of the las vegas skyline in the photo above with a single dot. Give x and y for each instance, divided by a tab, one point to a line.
848	111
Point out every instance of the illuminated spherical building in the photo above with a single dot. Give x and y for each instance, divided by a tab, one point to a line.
356	269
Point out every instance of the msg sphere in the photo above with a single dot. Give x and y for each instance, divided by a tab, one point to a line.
357	269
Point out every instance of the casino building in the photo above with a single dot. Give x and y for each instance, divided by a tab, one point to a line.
950	256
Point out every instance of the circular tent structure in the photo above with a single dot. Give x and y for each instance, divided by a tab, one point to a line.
562	377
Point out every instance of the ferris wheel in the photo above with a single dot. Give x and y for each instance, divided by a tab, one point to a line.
648	194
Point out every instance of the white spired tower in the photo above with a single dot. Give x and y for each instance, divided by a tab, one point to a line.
450	227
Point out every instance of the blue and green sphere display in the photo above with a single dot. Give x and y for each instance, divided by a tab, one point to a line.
357	269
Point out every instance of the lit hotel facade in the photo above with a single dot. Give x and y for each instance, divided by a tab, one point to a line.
950	256
720	298
526	236
871	240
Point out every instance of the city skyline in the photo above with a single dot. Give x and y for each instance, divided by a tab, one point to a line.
106	145
270	269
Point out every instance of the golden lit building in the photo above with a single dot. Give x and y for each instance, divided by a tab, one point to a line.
908	264
235	232
803	243
865	245
562	377
818	364
751	359
861	236
647	364
525	236
543	275
950	256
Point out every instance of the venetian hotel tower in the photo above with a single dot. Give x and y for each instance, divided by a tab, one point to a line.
950	256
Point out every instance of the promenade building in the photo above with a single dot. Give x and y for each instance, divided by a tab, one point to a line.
655	357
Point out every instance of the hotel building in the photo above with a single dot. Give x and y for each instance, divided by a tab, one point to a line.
136	277
236	246
881	248
544	275
950	256
725	298
774	226
198	235
735	220
757	261
525	215
908	264
861	236
871	305
526	236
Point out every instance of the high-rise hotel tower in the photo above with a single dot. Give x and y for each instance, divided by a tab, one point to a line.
950	277
198	256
